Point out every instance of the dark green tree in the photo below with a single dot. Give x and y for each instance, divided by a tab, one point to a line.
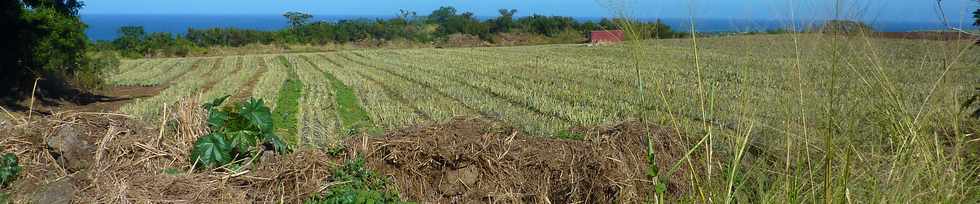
976	16
130	41
505	22
442	15
42	39
297	19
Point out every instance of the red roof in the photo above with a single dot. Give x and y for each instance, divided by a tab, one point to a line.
606	36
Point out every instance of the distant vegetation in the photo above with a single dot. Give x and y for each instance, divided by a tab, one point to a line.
444	26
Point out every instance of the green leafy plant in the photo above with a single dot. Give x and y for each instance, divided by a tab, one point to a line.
9	169
240	131
653	172
336	150
356	185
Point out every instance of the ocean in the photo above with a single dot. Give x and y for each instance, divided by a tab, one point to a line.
105	26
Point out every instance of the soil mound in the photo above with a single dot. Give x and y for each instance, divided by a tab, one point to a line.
476	161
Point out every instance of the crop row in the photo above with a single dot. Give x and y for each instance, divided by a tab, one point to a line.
318	122
186	86
542	89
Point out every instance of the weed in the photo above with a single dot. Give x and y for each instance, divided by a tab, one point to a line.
336	150
9	169
352	183
237	132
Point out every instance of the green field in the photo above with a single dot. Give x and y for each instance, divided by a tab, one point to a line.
813	112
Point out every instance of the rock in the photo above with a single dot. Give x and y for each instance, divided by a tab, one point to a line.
61	191
459	181
268	156
70	150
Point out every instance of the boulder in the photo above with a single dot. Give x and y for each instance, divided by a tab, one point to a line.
69	149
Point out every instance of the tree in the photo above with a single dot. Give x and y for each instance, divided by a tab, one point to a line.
130	41
976	15
297	19
42	39
505	22
442	15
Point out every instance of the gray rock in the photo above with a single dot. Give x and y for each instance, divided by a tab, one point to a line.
72	151
459	181
61	191
268	156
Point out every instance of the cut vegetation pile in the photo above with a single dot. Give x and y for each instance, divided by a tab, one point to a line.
108	158
474	161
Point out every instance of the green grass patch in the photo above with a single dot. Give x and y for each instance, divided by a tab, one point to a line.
569	135
353	117
287	105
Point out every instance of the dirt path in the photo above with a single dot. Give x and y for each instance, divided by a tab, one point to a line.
107	100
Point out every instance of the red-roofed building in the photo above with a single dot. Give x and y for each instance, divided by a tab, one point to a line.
606	36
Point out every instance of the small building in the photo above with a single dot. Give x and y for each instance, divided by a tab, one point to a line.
606	36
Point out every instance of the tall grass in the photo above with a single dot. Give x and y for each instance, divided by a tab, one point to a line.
846	125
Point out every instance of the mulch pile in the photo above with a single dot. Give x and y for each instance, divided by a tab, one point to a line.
110	158
476	161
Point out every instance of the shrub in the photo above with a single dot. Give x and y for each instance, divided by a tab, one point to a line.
96	65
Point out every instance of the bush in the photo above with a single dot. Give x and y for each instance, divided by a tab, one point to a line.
97	64
463	40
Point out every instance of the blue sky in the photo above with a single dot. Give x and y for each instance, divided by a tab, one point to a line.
871	10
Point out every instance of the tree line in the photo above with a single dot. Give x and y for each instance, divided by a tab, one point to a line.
439	26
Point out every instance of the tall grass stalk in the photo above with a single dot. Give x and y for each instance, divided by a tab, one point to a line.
884	135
